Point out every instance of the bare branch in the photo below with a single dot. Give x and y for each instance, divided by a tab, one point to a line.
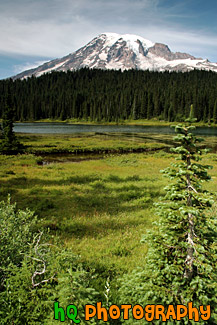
40	261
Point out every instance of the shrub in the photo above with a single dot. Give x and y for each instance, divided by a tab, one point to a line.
181	264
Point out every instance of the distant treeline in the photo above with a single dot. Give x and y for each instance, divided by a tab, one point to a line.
108	95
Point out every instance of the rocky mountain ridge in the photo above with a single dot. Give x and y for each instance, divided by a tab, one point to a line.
115	51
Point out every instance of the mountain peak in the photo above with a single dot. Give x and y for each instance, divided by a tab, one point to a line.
132	41
123	51
130	38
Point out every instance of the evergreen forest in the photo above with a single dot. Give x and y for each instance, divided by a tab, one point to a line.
100	95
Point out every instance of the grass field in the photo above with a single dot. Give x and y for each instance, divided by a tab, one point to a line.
99	204
89	143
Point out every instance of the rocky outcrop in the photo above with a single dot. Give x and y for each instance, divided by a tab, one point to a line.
163	51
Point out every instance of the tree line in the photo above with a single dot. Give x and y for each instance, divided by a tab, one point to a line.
109	95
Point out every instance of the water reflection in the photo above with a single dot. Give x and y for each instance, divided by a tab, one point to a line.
63	128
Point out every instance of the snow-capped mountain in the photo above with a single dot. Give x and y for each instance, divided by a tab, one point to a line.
115	51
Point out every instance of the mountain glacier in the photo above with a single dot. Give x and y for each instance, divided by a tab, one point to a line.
116	51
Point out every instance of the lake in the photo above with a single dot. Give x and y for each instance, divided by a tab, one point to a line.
63	128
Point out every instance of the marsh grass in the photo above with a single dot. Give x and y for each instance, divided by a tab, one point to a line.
90	143
101	207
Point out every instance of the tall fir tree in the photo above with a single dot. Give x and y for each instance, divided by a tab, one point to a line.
181	264
215	113
10	143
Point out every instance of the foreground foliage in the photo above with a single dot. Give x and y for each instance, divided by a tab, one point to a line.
34	274
97	208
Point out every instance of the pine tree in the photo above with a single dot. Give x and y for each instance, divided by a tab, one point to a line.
215	113
150	107
135	108
9	144
181	264
170	113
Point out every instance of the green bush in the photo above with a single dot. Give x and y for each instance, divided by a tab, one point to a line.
181	264
35	273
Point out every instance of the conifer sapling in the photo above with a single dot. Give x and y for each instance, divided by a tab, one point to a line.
181	264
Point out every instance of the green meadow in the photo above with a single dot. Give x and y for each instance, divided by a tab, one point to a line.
96	193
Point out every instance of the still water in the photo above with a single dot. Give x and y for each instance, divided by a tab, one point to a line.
63	128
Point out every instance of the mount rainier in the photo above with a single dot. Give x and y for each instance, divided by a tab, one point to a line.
115	51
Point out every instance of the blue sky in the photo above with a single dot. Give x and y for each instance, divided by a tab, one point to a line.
35	31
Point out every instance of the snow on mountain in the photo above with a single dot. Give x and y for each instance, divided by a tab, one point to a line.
115	51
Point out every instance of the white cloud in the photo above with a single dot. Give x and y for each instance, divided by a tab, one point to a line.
197	43
54	28
41	38
27	66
